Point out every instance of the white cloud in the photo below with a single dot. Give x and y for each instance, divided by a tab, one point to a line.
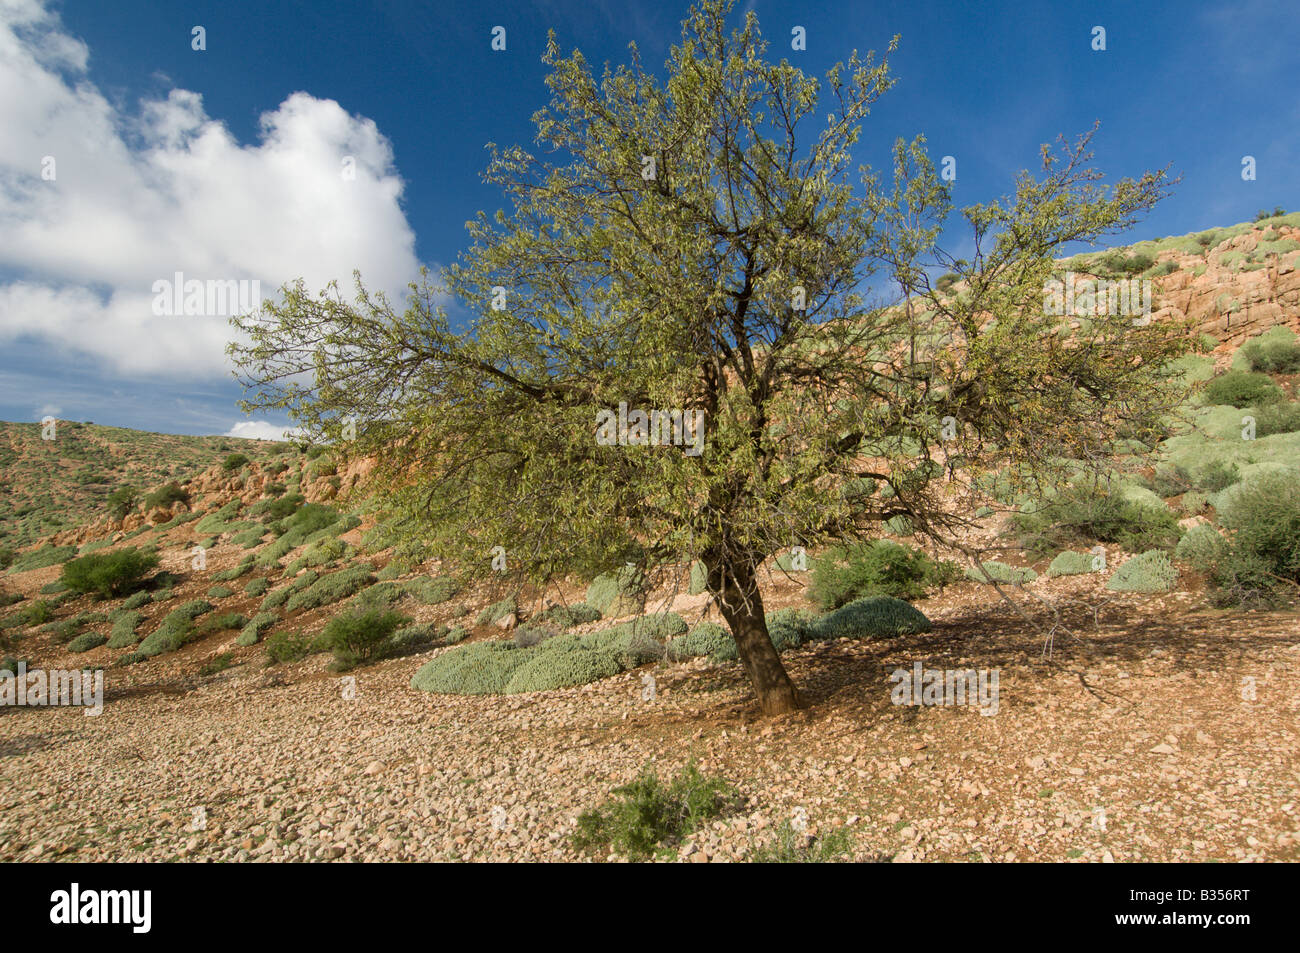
261	430
140	197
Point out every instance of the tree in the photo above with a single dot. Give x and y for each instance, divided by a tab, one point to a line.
687	250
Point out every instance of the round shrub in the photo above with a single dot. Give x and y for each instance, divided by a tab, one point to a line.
1202	547
879	568
1149	572
561	668
878	617
331	588
87	641
257	587
566	617
1262	516
359	636
220	592
1242	389
1070	563
136	600
618	594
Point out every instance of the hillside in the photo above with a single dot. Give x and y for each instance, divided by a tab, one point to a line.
343	702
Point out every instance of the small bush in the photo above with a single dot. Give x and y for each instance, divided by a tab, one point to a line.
331	588
1242	389
646	814
1275	352
457	633
1279	417
560	668
360	636
43	557
879	568
137	600
288	647
1217	476
220	592
432	592
222	623
123	631
498	610
1081	516
566	617
257	587
789	846
707	638
176	629
252	633
699	580
878	617
618	594
218	663
1202	547
1149	572
109	574
1262	517
480	668
234	462
122	501
1070	563
1002	573
87	641
165	496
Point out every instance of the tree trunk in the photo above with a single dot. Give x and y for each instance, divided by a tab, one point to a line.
737	589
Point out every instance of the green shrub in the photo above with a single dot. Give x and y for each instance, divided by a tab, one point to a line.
647	814
252	633
878	568
789	628
276	598
43	557
1078	515
566	617
457	633
1202	547
123	631
226	575
218	663
1149	572
360	636
122	501
1276	351
707	638
1002	573
1279	417
165	496
288	647
1262	517
220	592
1217	476
562	667
618	594
699	581
792	847
234	462
273	510
331	588
109	574
432	592
1194	502
1242	389
222	623
381	594
175	630
498	610
1070	563
877	617
480	668
87	641
257	587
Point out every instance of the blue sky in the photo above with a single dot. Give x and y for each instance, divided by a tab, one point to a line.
224	161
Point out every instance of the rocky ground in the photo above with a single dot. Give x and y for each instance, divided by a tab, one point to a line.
1164	733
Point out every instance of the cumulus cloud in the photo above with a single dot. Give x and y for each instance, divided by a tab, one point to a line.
137	197
262	430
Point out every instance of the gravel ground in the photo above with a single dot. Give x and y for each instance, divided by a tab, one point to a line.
1167	734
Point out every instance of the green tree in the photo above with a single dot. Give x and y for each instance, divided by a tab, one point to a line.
698	244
